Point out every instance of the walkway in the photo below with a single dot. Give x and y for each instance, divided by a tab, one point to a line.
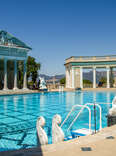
18	91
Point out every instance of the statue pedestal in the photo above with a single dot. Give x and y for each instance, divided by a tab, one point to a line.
111	120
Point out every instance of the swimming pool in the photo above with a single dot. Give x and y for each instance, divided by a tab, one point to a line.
19	113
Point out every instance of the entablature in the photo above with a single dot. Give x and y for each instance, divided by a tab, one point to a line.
13	52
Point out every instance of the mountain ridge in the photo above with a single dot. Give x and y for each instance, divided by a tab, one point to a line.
86	75
47	77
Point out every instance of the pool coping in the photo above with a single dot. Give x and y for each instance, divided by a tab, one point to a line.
18	92
28	91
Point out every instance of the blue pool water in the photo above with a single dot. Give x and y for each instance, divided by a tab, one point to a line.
19	113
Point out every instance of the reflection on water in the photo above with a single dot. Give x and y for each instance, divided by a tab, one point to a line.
5	101
81	98
108	100
15	102
42	100
94	96
25	102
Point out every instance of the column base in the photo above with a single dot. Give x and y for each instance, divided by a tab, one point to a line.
15	88
5	89
25	89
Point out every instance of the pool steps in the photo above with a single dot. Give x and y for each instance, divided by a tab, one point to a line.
57	132
83	131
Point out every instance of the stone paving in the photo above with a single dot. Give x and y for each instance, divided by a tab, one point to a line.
26	91
18	91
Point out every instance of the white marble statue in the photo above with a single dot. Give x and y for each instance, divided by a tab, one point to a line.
57	133
112	110
42	83
41	134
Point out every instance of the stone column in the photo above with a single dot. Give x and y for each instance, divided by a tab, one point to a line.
24	76
81	77
67	77
73	75
108	76
111	77
15	75
94	77
5	74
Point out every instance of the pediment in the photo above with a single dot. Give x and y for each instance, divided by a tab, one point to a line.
6	39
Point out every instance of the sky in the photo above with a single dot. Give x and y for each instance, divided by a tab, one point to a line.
59	29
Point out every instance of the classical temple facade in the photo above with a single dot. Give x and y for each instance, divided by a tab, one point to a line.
74	69
12	50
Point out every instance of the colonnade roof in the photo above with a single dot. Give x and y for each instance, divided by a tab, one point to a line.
91	60
6	39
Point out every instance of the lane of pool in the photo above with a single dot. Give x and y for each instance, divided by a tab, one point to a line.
19	113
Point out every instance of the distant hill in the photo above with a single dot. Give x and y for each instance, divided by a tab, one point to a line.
86	75
89	75
46	77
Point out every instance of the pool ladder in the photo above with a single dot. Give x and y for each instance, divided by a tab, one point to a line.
83	131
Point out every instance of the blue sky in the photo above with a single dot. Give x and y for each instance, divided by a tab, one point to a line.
58	29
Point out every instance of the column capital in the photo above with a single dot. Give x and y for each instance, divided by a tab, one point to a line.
107	67
94	67
15	60
5	59
73	67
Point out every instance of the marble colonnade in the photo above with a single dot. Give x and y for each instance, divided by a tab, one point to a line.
5	87
72	74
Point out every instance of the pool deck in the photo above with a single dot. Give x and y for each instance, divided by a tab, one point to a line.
99	89
21	91
18	91
86	89
102	144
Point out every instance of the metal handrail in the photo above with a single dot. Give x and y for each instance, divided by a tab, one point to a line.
68	115
83	106
99	110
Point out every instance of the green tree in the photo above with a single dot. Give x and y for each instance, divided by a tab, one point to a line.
87	81
20	74
32	70
103	80
63	80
